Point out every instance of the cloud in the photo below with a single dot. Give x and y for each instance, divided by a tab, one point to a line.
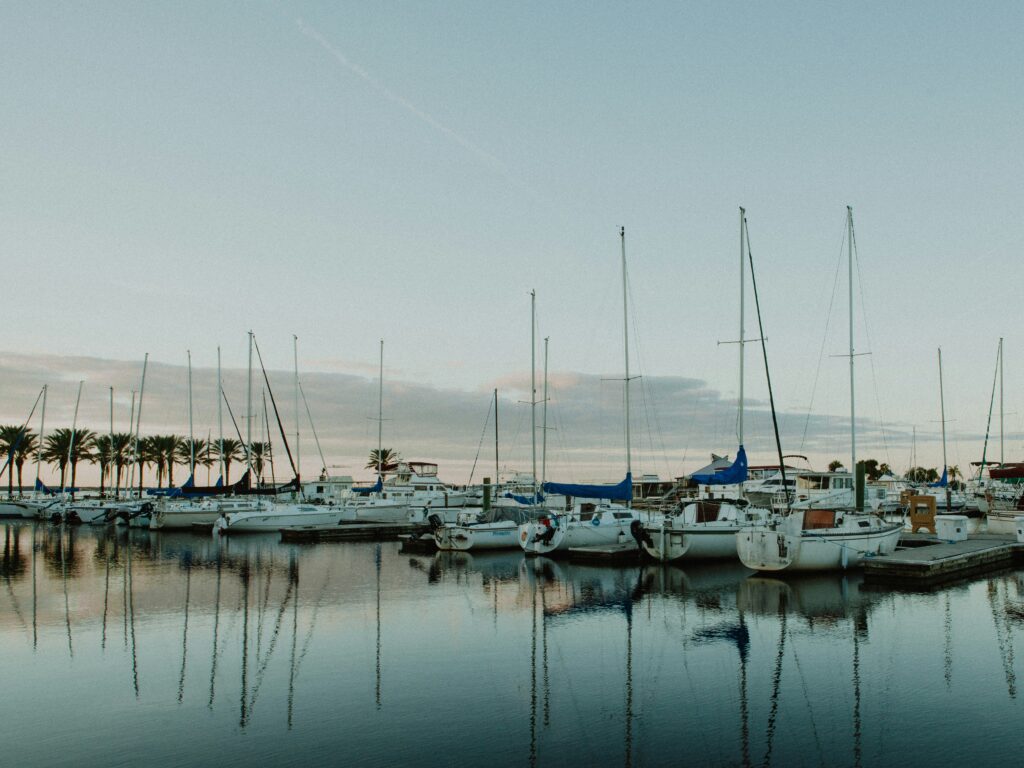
677	422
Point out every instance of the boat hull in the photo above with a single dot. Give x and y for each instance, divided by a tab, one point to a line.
691	542
775	549
478	537
263	521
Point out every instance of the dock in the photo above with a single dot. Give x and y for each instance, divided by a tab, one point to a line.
628	552
928	561
353	532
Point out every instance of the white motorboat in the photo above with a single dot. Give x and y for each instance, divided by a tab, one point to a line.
272	516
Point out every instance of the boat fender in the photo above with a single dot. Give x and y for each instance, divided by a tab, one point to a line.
595	520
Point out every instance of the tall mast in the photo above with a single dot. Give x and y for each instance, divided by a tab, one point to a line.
298	451
743	225
220	417
248	416
496	464
853	431
942	411
138	421
111	460
380	413
131	447
625	348
544	433
191	434
71	444
42	434
533	387
1001	456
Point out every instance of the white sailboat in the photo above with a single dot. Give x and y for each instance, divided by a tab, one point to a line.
818	535
706	529
595	519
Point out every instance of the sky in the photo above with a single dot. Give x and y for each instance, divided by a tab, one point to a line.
175	175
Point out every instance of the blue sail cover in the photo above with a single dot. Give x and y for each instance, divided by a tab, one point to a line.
525	499
943	482
41	488
172	493
375	488
621	492
737	473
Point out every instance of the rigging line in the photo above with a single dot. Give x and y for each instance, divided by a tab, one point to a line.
767	372
807	699
776	686
871	358
273	402
487	421
824	340
312	426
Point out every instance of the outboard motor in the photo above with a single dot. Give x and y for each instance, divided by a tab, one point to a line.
436	524
548	533
56	518
640	534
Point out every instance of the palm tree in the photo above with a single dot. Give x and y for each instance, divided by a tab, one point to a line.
383	460
834	465
954	473
233	451
260	453
197	448
59	447
120	455
884	469
11	436
104	456
26	448
148	452
169	447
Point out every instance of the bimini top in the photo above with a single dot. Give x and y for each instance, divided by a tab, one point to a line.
731	475
620	492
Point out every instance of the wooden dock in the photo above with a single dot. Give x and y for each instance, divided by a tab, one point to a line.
925	563
353	532
607	552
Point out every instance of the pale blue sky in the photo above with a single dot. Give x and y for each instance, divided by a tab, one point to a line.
174	174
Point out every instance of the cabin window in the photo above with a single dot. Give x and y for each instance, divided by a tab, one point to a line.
864	523
707	513
319	489
819	518
622	515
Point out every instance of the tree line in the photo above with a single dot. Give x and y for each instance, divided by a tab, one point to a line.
114	455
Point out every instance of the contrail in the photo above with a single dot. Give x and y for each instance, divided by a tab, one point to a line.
494	163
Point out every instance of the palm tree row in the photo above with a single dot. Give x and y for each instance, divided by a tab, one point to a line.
114	454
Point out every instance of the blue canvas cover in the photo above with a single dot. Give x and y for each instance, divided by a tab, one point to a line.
737	473
943	481
621	492
42	488
525	499
375	488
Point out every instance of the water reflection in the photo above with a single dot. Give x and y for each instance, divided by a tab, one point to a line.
392	657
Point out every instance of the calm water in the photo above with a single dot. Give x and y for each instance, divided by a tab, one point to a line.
121	647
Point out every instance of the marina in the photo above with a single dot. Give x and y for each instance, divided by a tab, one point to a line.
252	648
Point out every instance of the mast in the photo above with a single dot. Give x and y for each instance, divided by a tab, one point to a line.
138	421
131	446
1002	457
248	417
42	433
191	435
112	439
853	431
496	481
220	417
743	225
533	387
942	411
71	445
625	349
298	451
380	413
544	428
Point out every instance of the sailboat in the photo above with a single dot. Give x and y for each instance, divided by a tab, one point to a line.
496	527
594	519
706	529
821	534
